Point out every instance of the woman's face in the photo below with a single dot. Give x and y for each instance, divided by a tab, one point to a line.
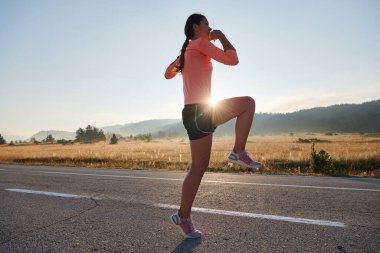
202	30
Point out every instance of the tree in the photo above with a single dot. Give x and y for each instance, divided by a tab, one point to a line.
80	135
101	136
49	139
161	134
113	139
144	137
2	140
90	134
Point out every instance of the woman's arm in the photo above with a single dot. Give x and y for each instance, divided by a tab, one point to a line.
171	69
228	56
217	34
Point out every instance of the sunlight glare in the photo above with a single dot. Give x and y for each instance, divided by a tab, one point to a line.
213	101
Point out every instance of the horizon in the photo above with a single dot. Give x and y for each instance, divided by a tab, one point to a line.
74	63
23	138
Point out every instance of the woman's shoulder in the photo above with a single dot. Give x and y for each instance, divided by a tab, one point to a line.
200	42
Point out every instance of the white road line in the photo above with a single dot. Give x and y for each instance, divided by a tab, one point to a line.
55	194
218	182
2	169
259	216
203	210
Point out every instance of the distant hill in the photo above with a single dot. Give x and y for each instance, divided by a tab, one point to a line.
147	126
344	118
56	135
348	118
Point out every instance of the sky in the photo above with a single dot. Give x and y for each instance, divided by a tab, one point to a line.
68	64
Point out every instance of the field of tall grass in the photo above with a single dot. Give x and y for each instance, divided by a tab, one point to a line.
352	155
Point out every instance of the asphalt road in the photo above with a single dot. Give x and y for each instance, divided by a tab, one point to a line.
118	210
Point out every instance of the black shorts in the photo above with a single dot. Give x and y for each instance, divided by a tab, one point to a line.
197	119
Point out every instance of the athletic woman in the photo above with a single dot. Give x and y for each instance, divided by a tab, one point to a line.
199	117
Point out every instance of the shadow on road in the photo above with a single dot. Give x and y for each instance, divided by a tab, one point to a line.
187	245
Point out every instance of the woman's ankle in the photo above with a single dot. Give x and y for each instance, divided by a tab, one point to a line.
238	151
181	216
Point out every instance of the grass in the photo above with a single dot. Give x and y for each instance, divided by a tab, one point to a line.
353	155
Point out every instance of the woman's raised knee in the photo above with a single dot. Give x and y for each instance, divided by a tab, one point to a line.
250	102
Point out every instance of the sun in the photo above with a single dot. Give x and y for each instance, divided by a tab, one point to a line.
213	101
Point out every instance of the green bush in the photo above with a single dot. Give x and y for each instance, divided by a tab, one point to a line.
143	137
2	140
65	142
311	140
321	162
113	139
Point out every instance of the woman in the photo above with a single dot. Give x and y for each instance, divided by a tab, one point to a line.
199	117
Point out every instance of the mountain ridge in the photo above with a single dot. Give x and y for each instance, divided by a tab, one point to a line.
343	118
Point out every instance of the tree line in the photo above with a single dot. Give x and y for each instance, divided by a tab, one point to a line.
89	134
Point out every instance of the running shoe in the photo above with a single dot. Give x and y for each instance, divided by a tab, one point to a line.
243	159
186	226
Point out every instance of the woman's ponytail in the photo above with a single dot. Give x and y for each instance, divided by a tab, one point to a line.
182	56
189	33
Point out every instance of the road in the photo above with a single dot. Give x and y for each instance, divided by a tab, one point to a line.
121	210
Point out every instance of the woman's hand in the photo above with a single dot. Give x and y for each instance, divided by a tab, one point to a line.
171	69
216	35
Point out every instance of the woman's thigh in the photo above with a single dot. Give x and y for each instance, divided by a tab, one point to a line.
200	152
230	108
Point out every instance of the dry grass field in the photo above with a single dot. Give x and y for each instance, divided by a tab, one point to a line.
352	155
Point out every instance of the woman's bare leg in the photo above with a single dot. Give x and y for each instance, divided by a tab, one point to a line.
200	155
241	107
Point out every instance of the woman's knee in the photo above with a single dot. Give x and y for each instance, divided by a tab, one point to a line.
251	104
198	170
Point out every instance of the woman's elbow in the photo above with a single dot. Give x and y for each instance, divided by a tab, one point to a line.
233	62
169	75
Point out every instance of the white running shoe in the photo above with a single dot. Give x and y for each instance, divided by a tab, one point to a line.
186	226
243	159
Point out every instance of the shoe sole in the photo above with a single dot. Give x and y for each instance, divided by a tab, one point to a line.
244	164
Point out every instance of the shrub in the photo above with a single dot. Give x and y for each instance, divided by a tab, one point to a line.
143	137
113	139
65	142
300	140
321	162
49	139
2	140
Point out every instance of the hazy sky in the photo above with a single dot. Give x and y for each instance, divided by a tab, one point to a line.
67	64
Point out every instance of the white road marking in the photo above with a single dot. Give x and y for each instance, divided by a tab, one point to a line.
2	169
259	216
218	182
55	194
203	210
